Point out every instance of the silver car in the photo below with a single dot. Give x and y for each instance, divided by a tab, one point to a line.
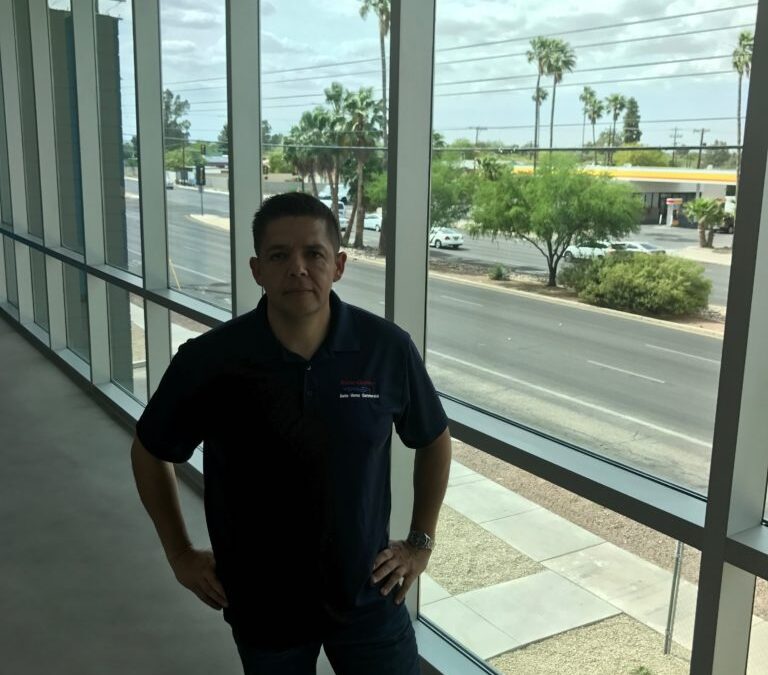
445	236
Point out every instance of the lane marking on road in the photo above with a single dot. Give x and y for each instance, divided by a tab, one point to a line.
575	401
692	356
626	372
200	274
463	302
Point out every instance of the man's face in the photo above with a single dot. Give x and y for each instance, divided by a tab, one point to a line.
297	266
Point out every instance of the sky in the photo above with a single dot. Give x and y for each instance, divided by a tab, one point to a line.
677	67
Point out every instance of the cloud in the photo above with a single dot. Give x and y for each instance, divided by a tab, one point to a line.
267	8
185	19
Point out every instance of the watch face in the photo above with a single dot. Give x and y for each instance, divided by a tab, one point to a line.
419	540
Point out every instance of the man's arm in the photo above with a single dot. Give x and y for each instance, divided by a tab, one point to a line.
430	479
158	490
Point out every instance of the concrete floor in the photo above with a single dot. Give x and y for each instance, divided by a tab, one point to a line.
84	585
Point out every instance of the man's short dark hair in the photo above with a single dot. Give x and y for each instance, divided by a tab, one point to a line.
297	204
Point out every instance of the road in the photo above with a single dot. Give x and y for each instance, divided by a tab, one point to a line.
634	390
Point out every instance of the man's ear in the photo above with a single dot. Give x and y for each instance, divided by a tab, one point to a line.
341	261
255	269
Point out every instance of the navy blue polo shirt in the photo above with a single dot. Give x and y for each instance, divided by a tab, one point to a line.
296	461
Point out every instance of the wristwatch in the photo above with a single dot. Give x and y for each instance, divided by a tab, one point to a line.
420	540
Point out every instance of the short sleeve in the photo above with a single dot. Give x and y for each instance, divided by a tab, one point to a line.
422	418
171	426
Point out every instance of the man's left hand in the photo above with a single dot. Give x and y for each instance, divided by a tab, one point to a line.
399	561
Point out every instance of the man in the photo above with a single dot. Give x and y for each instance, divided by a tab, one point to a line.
295	403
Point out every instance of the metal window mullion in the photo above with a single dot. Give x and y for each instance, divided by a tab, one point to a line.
12	93
57	321
46	128
98	330
4	241
244	118
149	132
739	467
410	132
89	125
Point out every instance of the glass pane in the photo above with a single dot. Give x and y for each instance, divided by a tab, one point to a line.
114	33
66	122
195	110
127	346
595	316
534	579
758	637
323	129
6	212
11	284
76	312
39	288
26	94
182	329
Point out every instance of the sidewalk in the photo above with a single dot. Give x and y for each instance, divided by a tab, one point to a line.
584	580
716	255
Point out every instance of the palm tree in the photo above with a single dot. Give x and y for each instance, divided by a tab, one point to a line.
334	131
742	64
586	97
709	214
539	96
540	53
562	60
364	120
381	9
300	148
615	104
595	109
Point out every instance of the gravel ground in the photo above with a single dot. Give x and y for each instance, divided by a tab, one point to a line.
617	646
470	557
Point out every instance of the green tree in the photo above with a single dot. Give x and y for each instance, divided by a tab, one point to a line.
709	214
632	133
562	59
381	9
335	138
553	208
175	126
540	53
539	96
595	110
277	162
300	148
717	155
223	139
615	104
364	120
639	156
586	97
742	64
450	193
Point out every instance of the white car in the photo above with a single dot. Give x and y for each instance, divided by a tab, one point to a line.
342	209
588	249
170	179
445	236
372	221
637	247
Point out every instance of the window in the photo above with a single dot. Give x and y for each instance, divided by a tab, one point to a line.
120	175
62	38
12	289
531	338
195	115
534	579
76	312
39	288
127	347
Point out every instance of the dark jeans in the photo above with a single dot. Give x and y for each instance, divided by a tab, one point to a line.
383	644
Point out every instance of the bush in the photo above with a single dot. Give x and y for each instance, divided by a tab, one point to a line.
497	273
646	284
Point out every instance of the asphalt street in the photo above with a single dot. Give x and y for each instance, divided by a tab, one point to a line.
638	391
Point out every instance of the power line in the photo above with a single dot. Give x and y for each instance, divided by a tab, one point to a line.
592	70
622	24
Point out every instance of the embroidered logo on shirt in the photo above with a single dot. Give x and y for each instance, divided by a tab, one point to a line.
357	389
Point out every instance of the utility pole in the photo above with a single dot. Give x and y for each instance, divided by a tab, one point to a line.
477	133
677	134
701	145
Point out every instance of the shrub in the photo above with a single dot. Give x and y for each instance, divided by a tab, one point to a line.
497	273
646	284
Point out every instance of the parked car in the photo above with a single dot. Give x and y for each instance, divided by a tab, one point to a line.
170	179
587	249
372	221
637	247
445	236
342	208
